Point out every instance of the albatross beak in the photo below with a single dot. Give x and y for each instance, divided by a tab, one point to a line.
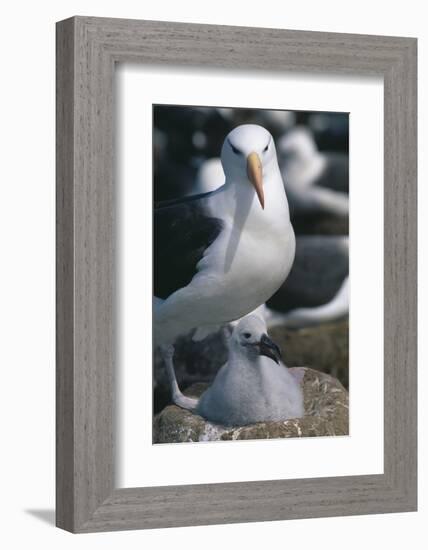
269	349
254	173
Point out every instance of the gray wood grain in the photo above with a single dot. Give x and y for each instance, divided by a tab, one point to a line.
64	279
87	49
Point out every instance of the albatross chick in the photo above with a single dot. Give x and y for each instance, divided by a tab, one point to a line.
254	385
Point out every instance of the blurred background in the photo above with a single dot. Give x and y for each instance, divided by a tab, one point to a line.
308	316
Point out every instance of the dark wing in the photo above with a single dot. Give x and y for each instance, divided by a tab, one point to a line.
182	232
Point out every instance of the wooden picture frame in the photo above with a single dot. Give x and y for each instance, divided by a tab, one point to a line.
87	50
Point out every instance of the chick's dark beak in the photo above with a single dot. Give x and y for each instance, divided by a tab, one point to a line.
269	349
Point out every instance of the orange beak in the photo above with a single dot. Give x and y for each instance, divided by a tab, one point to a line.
255	175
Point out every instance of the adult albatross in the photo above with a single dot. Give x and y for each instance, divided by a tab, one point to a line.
219	255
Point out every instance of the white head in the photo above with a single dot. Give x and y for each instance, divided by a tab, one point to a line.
250	338
248	156
297	146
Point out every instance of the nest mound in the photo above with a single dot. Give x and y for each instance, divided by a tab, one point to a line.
326	414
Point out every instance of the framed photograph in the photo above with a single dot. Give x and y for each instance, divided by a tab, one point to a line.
196	220
236	274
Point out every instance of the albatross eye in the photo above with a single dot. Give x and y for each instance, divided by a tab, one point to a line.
266	148
247	335
235	150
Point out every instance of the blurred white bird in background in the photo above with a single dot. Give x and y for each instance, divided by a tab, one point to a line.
315	182
210	176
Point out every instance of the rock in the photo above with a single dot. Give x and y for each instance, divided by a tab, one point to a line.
325	347
326	414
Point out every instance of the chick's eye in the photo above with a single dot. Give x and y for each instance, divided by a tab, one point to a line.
247	335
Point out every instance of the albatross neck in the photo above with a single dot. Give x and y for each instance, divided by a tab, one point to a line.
237	201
